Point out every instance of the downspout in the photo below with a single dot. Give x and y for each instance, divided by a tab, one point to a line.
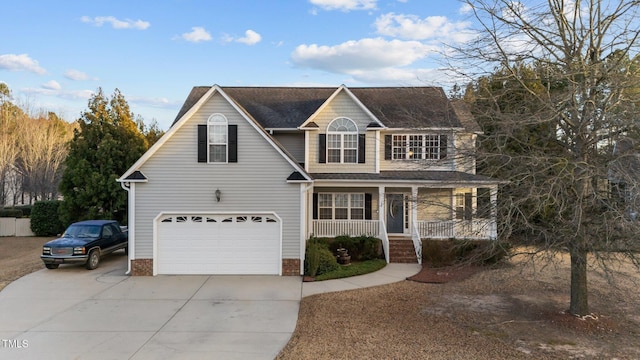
127	186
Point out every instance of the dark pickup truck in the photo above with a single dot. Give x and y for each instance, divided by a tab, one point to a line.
84	243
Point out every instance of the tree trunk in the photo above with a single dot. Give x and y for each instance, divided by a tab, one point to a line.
579	296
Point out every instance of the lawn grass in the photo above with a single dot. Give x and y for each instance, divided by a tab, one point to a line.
355	268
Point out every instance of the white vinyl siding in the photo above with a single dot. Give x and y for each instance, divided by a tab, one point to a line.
178	183
293	143
342	106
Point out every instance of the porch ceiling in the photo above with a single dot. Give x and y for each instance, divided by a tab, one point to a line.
439	177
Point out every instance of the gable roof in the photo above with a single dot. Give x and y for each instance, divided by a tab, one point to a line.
394	107
409	107
201	96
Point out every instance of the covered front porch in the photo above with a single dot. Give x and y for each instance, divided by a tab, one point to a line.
411	213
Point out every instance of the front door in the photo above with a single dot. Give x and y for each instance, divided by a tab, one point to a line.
395	213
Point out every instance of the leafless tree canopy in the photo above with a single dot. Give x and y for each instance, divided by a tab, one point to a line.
555	87
33	146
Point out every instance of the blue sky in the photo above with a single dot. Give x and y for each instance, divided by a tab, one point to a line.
54	55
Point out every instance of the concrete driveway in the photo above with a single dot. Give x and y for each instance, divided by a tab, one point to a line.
73	313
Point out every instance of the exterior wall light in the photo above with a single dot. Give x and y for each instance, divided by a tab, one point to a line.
218	195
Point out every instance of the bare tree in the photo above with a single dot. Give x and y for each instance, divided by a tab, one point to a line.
42	145
8	149
557	99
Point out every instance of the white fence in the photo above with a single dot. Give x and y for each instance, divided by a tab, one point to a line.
15	227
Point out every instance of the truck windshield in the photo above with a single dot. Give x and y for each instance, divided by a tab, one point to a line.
80	231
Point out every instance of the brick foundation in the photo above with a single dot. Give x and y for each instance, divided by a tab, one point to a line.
142	267
290	267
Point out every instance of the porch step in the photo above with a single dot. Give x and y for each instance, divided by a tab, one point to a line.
401	250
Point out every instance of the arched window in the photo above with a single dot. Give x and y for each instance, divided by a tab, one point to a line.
218	139
342	141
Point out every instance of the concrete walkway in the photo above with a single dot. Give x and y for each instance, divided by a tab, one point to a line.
387	275
72	313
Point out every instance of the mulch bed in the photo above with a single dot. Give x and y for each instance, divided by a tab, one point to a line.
441	275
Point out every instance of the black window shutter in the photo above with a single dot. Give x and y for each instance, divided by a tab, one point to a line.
202	143
367	206
443	146
233	143
468	206
322	148
387	147
361	148
315	206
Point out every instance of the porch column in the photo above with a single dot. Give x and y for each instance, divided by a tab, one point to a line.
382	228
493	193
414	209
381	201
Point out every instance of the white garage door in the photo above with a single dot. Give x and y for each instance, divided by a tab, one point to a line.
218	244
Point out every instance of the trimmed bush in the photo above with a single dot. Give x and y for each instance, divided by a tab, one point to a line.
360	248
26	210
439	253
10	213
318	258
45	220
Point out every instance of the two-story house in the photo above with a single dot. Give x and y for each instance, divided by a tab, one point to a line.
246	174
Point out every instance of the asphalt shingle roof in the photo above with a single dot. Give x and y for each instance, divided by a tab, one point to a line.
395	107
426	176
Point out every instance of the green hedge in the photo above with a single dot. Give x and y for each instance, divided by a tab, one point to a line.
438	253
45	220
318	258
11	213
360	248
20	211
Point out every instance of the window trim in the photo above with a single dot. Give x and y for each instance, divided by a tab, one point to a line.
349	207
211	121
404	147
335	128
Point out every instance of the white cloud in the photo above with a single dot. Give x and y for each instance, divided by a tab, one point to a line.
197	34
429	28
77	75
22	62
116	23
465	9
365	54
250	38
51	85
60	93
345	5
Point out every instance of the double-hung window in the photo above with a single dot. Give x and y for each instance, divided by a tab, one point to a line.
218	138
341	206
342	141
419	147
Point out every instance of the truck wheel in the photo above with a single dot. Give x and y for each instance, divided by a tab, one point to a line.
93	260
51	266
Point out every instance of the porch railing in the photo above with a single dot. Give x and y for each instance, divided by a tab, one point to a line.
460	229
332	228
417	242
